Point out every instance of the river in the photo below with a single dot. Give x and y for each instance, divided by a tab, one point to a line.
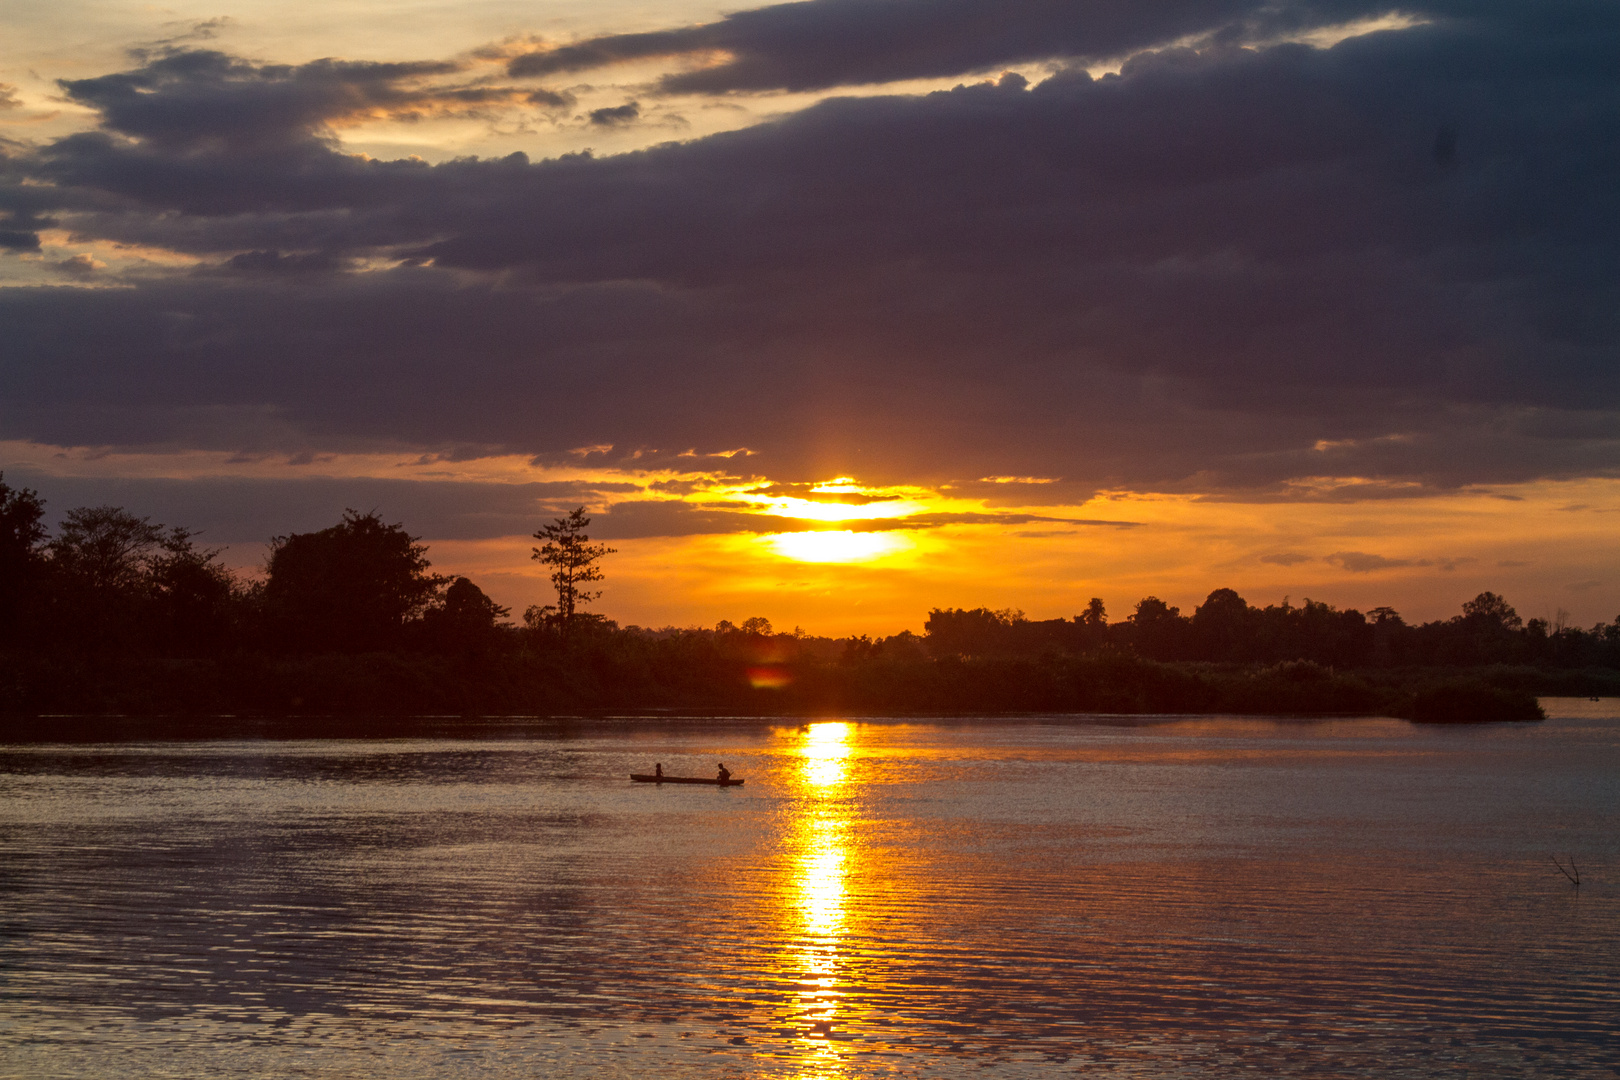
1104	897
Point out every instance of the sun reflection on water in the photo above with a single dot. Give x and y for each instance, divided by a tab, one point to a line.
821	878
819	886
826	748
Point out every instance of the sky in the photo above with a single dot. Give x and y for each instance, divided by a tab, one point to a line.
836	311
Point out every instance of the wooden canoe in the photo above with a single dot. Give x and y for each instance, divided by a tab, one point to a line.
649	778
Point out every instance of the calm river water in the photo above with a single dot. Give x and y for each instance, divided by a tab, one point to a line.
1180	897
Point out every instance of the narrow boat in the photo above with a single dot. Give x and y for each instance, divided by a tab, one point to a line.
649	778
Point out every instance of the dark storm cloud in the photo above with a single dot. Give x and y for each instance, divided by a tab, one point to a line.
627	113
191	100
1220	271
19	240
237	510
274	262
20	206
206	133
818	44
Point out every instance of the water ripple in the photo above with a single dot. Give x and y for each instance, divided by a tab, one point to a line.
1353	898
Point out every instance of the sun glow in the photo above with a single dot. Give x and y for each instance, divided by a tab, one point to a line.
706	545
835	546
812	510
838	499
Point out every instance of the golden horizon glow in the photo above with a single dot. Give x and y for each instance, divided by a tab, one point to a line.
1547	546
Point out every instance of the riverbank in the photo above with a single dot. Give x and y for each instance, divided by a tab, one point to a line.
582	681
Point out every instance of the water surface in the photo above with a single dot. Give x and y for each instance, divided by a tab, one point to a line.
1178	897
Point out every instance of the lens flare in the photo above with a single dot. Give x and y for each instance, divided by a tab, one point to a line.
769	677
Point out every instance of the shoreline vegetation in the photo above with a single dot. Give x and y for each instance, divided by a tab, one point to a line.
587	682
115	616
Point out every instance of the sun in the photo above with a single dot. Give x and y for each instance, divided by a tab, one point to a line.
835	546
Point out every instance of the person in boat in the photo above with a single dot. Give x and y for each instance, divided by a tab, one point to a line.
725	773
658	770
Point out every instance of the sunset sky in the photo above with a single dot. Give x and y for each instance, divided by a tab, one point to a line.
835	311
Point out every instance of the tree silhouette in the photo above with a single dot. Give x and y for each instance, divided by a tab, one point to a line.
980	632
21	535
1491	611
573	559
1157	629
348	588
111	580
195	602
1223	625
466	621
101	562
106	549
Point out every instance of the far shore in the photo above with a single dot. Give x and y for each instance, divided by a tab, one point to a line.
122	728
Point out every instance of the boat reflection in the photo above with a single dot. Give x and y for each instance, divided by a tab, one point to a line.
821	842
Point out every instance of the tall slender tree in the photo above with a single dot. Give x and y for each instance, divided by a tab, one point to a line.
568	551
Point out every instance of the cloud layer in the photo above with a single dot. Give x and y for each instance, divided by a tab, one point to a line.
1230	268
819	44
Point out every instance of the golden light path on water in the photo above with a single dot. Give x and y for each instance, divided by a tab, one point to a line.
822	865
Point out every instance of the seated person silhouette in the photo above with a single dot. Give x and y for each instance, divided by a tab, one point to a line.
725	773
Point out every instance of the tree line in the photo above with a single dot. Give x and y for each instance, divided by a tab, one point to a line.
1227	629
109	582
112	613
